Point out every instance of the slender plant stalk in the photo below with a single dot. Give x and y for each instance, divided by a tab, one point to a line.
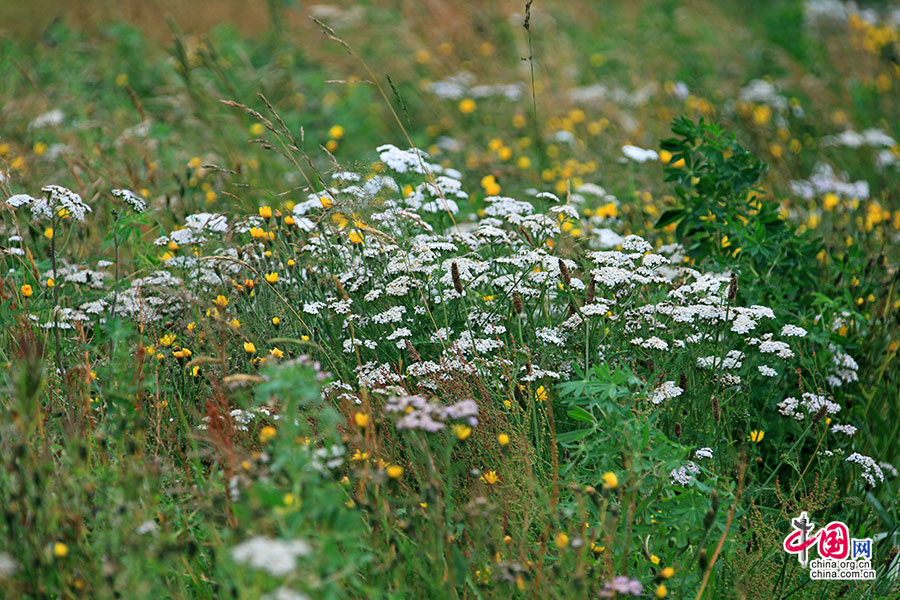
55	305
534	119
112	309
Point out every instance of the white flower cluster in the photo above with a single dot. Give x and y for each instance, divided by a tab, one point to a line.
845	368
276	557
666	391
462	85
131	199
808	405
684	475
419	413
58	202
703	453
871	469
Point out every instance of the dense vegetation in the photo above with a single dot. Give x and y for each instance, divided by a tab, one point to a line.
420	302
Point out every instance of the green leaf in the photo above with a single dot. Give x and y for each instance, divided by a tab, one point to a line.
668	217
579	414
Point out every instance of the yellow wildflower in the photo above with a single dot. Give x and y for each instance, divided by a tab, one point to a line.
462	431
610	481
266	434
490	478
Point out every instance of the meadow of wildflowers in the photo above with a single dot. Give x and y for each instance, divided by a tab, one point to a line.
447	300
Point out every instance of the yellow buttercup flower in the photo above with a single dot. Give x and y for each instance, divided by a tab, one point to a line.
756	436
541	394
561	540
276	352
221	301
48	233
394	471
272	277
361	419
249	348
265	212
503	440
26	290
60	550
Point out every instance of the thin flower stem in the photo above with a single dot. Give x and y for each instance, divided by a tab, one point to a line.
55	304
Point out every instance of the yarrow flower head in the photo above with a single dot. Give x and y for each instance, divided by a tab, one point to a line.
276	557
427	415
666	391
60	202
621	586
131	199
871	469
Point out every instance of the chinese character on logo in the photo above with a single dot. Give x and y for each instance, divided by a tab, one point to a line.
834	541
862	549
799	541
